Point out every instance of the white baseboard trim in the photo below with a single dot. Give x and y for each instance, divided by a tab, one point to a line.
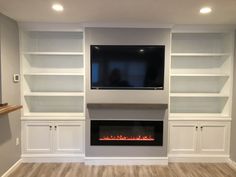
13	167
198	158
55	158
232	163
126	160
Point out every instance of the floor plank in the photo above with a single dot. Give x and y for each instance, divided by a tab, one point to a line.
81	170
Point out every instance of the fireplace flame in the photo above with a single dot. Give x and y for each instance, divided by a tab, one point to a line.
126	138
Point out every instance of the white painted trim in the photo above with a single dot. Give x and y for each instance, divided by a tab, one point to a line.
126	25
64	27
13	167
198	158
58	118
203	28
126	160
232	163
79	27
220	119
47	158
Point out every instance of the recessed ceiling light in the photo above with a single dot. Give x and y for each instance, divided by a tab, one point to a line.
205	10
57	7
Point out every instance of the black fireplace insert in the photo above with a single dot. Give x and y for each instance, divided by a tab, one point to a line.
126	133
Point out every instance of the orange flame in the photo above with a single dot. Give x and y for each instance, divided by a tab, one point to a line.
126	138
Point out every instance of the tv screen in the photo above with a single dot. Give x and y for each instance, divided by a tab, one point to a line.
127	67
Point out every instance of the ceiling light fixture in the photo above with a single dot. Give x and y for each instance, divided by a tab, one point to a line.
57	7
205	10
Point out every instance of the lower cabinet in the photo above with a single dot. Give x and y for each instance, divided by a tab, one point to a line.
69	137
183	137
199	137
53	137
214	137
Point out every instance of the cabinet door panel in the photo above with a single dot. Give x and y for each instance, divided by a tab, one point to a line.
183	137
37	137
214	137
69	137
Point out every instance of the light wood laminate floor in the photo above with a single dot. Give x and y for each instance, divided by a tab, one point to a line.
81	170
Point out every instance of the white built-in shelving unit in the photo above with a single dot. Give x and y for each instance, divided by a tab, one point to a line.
201	74
53	94
53	73
200	95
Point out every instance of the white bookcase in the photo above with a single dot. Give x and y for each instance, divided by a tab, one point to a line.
53	73
201	74
200	96
52	69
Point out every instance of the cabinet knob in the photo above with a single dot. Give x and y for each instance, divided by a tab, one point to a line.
196	127
50	127
201	128
55	127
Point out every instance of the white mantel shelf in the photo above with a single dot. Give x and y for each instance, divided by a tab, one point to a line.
127	105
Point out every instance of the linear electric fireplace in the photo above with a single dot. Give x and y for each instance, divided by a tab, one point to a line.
123	133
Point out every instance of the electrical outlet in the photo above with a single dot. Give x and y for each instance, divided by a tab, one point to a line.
17	141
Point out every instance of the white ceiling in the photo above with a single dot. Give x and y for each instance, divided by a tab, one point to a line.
122	11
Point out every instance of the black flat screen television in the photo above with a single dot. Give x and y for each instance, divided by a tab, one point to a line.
127	67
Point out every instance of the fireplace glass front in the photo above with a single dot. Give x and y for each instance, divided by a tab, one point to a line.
117	132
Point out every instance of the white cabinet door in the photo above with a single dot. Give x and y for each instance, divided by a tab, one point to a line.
68	137
183	137
214	137
37	137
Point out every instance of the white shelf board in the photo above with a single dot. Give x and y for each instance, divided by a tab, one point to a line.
198	115
53	53
60	118
199	75
54	114
199	54
54	74
199	119
198	95
54	94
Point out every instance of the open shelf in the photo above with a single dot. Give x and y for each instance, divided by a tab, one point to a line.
54	83
200	76
200	43
55	104
53	73
211	85
200	65
52	41
41	64
198	104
